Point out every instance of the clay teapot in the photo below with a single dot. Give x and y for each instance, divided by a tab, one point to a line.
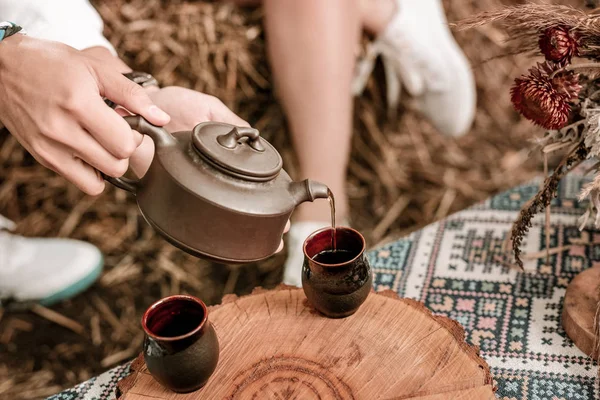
217	192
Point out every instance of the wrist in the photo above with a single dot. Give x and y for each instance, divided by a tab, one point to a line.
6	48
11	49
11	36
9	59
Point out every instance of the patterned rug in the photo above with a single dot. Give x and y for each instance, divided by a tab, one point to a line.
514	317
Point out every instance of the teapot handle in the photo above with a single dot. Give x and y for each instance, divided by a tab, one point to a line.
127	184
159	136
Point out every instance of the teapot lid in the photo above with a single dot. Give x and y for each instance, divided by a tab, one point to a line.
237	151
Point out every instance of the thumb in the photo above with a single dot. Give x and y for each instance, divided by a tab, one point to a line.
131	96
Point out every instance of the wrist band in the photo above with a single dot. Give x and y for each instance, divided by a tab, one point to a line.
8	28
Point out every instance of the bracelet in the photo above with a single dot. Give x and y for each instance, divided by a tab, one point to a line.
141	78
8	28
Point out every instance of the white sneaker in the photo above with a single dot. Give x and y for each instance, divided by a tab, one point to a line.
45	270
419	51
299	231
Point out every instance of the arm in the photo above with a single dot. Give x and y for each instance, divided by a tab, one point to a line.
73	22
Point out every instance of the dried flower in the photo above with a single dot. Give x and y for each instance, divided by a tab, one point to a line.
559	44
592	133
545	100
543	198
591	191
525	23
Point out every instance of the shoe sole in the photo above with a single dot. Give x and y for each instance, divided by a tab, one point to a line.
76	288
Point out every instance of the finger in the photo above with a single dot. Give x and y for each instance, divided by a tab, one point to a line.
121	111
142	158
110	130
91	152
61	160
280	247
287	227
130	95
86	178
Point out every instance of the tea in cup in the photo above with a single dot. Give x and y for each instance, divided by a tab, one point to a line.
336	281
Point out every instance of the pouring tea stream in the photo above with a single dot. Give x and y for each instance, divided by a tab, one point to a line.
217	192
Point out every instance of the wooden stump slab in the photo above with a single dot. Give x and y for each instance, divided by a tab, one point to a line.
275	346
579	311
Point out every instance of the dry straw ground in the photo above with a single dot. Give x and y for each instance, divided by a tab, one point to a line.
403	175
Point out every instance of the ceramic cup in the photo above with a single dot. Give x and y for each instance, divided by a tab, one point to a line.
181	348
336	289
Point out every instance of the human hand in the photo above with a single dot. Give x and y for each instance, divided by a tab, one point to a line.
187	109
51	100
287	228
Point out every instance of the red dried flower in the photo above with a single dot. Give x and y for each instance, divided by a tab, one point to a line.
545	100
559	44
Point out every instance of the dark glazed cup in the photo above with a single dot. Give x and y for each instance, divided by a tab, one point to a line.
181	348
336	290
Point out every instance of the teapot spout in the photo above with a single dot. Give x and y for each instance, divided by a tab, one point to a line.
308	190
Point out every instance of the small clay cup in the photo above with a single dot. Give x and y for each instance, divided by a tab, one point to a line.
336	290
181	348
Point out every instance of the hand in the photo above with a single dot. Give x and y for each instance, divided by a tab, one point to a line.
51	101
187	109
287	228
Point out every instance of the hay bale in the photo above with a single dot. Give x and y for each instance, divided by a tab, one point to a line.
403	175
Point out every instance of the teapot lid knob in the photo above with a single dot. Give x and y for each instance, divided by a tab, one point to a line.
238	151
231	139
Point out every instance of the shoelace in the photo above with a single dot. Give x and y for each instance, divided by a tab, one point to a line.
390	54
364	68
